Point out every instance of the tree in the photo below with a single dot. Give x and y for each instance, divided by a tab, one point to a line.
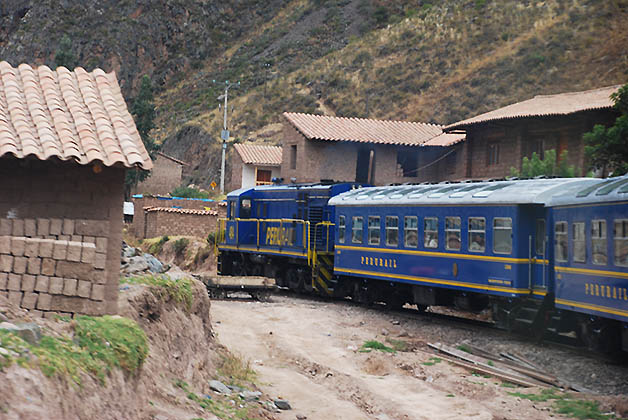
545	167
143	111
64	55
607	148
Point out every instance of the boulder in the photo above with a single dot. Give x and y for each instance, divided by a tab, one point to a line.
29	332
219	387
282	404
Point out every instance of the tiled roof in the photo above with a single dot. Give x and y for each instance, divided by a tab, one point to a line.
363	130
546	105
68	115
259	154
175	160
182	211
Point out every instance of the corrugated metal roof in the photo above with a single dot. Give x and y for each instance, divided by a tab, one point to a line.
182	211
175	160
70	115
363	130
259	154
546	105
445	139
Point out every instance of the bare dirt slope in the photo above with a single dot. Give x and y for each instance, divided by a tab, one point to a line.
308	352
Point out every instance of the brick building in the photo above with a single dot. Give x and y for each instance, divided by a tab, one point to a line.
65	141
165	176
498	140
254	164
378	152
160	221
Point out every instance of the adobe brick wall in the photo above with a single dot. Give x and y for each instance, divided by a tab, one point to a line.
160	223
60	236
235	181
164	177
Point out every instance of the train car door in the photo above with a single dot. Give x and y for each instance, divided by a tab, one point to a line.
536	230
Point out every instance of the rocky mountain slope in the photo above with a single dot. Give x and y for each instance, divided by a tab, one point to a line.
401	59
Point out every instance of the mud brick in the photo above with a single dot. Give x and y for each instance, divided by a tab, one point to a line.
31	247
4	294
100	260
29	300
74	252
19	265
48	266
34	313
30	227
17	227
5	244
14	282
4	281
34	265
6	227
60	250
84	288
89	239
55	285
15	297
98	292
69	287
91	227
43	227
17	245
28	283
88	253
67	304
76	238
55	226
41	284
93	307
6	263
68	227
99	277
101	245
45	248
74	270
51	315
43	302
64	238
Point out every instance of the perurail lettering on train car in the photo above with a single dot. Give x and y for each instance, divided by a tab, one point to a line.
281	236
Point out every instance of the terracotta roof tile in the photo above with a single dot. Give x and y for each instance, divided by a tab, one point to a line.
546	105
69	115
363	130
445	139
259	154
182	211
175	160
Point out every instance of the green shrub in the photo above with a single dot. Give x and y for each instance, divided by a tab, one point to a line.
211	238
375	345
166	288
187	192
180	245
158	246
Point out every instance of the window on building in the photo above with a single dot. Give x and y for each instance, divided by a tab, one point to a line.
477	234
392	230
374	230
599	253
560	238
410	231
620	237
407	162
430	232
502	235
579	243
263	177
452	233
293	156
357	227
534	146
540	237
341	229
492	154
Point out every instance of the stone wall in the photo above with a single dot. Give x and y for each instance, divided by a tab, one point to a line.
60	236
165	221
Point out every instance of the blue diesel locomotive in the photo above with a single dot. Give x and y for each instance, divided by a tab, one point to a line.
544	254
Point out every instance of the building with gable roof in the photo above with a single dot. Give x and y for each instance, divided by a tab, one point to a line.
377	152
499	139
165	176
254	164
66	140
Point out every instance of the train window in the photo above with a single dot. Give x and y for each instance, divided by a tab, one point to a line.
540	237
410	231
579	243
341	229
598	242
229	213
502	235
258	210
477	234
374	230
560	238
452	233
430	232
620	236
245	208
392	230
357	227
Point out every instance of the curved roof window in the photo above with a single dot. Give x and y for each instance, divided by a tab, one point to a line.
462	192
418	193
592	188
443	191
488	191
611	187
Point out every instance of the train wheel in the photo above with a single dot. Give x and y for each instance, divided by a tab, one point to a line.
359	293
599	335
295	282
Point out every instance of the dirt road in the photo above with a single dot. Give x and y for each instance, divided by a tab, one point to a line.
308	353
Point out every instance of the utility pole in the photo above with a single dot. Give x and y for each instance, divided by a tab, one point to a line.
224	135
